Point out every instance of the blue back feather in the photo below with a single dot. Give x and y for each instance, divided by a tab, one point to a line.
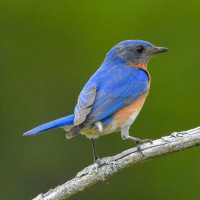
113	83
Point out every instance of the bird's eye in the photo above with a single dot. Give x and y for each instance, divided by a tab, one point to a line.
139	49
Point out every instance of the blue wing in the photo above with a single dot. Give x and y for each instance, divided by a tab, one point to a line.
113	88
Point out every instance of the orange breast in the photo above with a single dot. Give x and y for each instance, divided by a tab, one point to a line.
125	113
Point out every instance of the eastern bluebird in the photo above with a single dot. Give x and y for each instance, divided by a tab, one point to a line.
113	97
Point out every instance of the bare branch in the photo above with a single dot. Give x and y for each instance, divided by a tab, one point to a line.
92	174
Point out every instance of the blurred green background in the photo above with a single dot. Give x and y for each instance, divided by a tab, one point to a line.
49	49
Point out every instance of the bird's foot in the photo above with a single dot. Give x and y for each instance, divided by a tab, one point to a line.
139	142
97	160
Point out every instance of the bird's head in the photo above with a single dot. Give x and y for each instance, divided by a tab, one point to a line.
134	52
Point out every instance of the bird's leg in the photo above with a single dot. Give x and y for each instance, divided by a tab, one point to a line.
125	135
96	158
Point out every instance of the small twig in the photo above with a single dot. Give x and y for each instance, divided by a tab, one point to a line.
92	174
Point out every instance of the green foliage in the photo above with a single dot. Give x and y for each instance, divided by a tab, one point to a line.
49	49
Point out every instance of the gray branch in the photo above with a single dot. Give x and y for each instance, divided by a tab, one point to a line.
92	174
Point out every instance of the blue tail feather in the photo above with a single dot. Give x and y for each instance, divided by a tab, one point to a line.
68	120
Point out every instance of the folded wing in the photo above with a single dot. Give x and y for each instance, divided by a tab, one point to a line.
104	96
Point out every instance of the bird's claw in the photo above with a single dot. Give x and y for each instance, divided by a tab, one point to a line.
139	142
97	160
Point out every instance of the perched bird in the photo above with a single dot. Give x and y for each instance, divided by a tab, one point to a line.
113	97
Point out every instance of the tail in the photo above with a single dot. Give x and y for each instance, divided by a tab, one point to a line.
68	120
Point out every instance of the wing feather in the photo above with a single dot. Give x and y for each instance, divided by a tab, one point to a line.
108	91
85	101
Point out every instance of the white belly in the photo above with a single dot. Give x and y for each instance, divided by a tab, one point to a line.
130	120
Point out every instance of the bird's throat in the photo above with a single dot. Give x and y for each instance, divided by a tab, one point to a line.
139	65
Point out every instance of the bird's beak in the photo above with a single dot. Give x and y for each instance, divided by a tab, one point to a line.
157	50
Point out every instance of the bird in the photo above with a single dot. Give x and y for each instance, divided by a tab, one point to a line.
112	98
